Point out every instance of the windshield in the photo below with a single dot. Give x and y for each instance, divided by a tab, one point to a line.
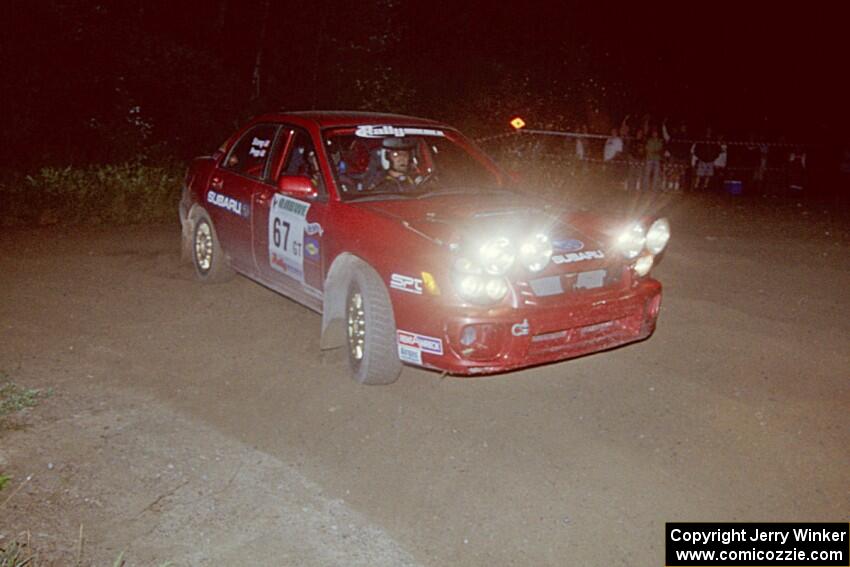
399	162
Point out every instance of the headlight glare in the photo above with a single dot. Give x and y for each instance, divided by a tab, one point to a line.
496	256
657	236
535	252
631	241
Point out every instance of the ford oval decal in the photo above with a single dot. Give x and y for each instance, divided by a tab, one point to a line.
567	245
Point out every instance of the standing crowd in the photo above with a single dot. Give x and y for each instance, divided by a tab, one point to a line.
658	157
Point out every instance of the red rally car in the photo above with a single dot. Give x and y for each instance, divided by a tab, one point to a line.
413	246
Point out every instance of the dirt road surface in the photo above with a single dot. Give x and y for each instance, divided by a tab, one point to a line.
199	424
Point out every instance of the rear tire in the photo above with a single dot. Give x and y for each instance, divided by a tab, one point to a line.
211	265
370	328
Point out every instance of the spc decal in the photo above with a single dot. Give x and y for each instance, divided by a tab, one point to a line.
259	147
406	283
311	248
287	221
521	329
578	256
228	204
409	354
367	131
567	245
422	342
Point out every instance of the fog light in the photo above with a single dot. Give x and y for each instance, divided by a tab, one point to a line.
481	341
469	335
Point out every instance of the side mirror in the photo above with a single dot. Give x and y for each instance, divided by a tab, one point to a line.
297	185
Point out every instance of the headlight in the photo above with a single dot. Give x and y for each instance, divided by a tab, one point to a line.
480	289
470	286
657	236
631	241
643	265
535	252
496	289
496	256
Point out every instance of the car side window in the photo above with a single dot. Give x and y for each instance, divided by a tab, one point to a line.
303	160
250	154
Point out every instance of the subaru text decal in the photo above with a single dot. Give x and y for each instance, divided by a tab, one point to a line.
228	204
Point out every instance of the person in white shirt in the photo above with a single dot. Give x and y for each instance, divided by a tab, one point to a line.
613	146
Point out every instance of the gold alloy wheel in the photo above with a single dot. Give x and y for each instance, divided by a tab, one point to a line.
203	246
356	326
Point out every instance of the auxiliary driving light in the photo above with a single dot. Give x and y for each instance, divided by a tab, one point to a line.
536	252
496	255
643	265
657	236
632	240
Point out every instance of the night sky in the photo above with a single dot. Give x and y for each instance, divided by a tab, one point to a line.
73	70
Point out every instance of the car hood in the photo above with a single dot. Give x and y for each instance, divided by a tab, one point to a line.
452	219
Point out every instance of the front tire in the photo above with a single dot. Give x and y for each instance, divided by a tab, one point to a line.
211	265
370	329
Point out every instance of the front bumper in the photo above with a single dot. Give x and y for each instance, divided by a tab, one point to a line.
529	336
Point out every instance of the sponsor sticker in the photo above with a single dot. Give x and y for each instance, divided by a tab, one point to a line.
313	229
311	248
578	256
406	283
228	203
384	130
520	329
424	343
287	222
409	354
259	147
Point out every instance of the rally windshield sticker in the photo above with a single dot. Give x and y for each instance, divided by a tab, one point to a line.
384	130
287	223
578	256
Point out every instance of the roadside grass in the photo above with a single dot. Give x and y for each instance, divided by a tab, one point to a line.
22	554
13	398
126	193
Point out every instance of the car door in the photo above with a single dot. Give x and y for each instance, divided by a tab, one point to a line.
288	229
229	198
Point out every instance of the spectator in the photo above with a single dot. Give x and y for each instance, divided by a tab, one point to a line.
705	152
581	144
636	148
760	172
613	146
678	152
721	162
797	169
653	149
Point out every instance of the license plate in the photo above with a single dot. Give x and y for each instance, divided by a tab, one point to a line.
590	280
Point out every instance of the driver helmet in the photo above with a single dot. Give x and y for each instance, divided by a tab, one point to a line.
390	144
